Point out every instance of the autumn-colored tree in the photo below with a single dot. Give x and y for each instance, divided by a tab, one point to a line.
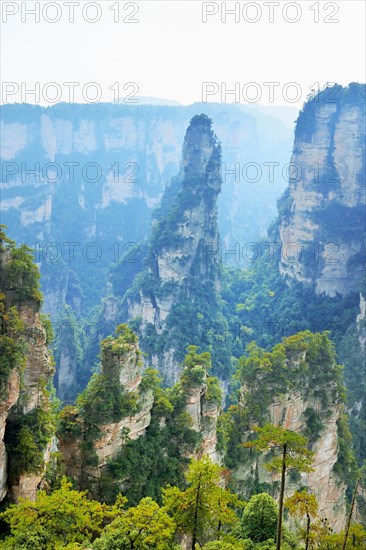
294	456
301	504
205	507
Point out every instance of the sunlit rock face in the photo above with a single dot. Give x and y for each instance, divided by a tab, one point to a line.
322	213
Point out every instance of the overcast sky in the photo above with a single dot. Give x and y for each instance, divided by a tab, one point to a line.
170	51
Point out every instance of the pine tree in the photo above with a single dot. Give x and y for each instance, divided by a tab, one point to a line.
294	456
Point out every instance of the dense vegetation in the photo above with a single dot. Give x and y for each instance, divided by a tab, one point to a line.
264	308
204	511
28	430
19	280
275	343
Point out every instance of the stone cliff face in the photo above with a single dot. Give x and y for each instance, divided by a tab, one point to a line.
101	168
96	432
37	373
183	263
290	412
98	168
85	451
322	214
25	352
309	402
6	405
204	413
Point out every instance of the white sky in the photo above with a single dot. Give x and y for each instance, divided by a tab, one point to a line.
170	51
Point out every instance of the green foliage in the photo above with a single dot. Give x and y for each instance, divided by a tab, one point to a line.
12	347
346	464
259	519
314	425
195	369
262	307
351	355
55	520
46	322
70	340
205	507
150	380
19	278
141	527
213	390
298	457
161	453
294	456
27	436
305	363
70	424
227	544
105	401
19	271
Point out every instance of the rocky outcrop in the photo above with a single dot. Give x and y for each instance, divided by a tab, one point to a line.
12	395
308	401
183	263
115	408
322	214
204	412
23	389
361	323
290	411
100	167
37	373
132	425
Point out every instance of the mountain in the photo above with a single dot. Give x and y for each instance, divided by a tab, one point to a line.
144	100
124	414
218	378
297	385
124	418
179	287
322	218
99	168
26	419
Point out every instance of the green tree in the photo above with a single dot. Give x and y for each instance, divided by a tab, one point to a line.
260	518
142	527
361	474
294	456
301	504
205	507
326	540
226	545
53	521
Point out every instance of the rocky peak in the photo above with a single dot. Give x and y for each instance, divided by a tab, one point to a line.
113	407
297	386
201	156
322	212
183	262
204	398
25	420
